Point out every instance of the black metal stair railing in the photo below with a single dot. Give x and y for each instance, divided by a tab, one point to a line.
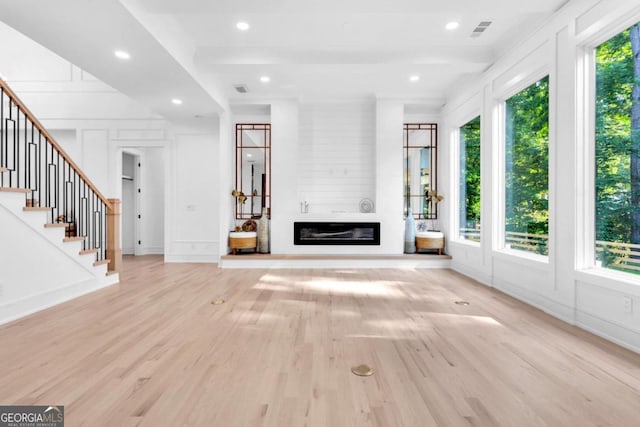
32	160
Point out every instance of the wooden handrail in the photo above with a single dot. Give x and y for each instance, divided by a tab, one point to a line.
52	141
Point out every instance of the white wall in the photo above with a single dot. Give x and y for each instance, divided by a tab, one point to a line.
226	174
246	113
153	183
312	147
291	175
389	181
284	180
59	274
430	114
94	124
193	231
564	285
97	147
336	152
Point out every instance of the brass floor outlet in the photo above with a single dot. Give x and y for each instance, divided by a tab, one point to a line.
362	370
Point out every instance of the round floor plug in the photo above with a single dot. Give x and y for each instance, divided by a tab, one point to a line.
362	370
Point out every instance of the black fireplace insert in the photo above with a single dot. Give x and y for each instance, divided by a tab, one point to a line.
336	233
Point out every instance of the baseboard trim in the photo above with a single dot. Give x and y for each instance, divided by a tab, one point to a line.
208	259
475	274
617	334
24	307
552	308
152	250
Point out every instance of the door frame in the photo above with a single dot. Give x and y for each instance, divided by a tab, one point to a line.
138	157
136	147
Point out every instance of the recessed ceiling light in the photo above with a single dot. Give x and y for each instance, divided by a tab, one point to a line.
249	155
452	25
414	78
242	26
177	101
122	54
265	79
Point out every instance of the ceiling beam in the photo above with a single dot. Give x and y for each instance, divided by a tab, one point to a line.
471	57
450	7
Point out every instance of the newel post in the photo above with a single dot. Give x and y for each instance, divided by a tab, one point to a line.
114	251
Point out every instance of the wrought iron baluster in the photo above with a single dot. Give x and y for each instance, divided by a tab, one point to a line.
35	162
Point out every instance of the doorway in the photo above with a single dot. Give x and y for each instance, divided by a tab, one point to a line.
130	205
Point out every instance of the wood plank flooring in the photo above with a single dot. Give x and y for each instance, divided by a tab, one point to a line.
154	351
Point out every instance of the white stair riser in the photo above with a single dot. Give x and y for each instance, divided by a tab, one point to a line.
101	270
35	219
13	201
55	234
111	279
72	248
87	260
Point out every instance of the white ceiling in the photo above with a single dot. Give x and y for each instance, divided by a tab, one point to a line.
329	49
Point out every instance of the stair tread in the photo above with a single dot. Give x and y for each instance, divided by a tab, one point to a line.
35	209
88	251
15	190
2	169
55	225
104	261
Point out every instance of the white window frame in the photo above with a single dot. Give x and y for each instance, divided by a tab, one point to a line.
520	83
585	261
455	142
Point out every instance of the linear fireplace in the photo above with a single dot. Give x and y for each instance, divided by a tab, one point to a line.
336	233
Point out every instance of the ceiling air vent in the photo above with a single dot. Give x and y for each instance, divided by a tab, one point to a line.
481	28
241	88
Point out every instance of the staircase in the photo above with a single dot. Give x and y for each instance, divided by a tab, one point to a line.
59	235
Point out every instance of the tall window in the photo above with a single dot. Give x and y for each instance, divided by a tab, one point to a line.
527	169
419	169
470	180
617	156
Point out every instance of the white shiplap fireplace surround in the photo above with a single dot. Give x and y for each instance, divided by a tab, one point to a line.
332	156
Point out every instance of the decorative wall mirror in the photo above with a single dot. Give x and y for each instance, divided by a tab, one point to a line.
253	170
420	170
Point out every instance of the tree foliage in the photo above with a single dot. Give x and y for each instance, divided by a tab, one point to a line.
614	87
617	152
470	174
527	160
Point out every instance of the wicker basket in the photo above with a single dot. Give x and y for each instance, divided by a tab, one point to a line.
242	240
432	242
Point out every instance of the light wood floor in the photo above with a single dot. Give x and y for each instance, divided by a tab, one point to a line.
153	351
